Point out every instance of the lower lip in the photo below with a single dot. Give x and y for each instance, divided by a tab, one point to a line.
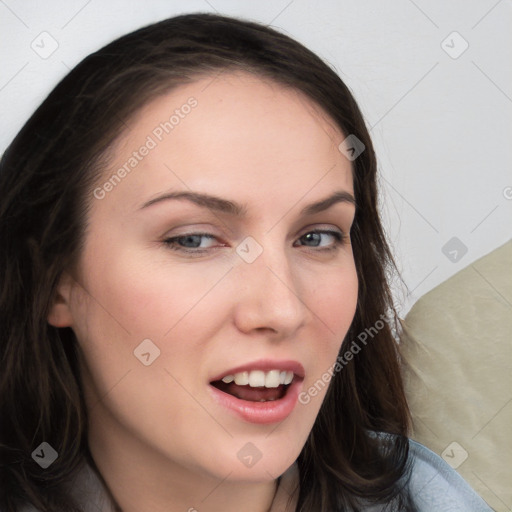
261	412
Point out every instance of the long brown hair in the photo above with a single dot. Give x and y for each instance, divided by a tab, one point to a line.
46	180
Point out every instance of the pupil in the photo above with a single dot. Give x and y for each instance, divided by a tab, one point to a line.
192	239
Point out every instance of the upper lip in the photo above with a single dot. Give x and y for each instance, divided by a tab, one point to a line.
265	365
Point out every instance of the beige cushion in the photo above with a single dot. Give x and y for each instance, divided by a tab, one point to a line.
457	358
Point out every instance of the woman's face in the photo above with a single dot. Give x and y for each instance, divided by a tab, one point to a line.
248	275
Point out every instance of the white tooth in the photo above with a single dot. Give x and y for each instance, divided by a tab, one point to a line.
256	379
272	379
242	378
289	377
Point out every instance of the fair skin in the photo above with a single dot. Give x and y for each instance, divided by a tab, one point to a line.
160	439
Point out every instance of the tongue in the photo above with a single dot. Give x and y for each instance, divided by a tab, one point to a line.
251	394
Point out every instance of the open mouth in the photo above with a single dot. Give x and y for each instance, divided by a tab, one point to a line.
256	386
261	392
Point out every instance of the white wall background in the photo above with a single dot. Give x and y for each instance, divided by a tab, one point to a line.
441	117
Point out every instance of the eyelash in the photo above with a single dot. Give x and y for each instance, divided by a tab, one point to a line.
171	243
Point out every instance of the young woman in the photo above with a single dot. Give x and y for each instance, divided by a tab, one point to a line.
194	308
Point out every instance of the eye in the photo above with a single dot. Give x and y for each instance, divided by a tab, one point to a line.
316	237
192	242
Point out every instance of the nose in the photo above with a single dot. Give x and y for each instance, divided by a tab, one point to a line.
269	295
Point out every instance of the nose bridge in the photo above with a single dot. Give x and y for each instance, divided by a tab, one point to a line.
271	296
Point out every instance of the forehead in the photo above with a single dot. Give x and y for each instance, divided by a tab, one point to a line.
233	132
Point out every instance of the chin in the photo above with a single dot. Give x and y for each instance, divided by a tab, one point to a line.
254	461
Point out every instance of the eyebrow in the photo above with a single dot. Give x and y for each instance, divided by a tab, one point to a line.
238	210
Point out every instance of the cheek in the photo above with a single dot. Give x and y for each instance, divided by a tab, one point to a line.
333	303
128	301
147	297
337	298
177	307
